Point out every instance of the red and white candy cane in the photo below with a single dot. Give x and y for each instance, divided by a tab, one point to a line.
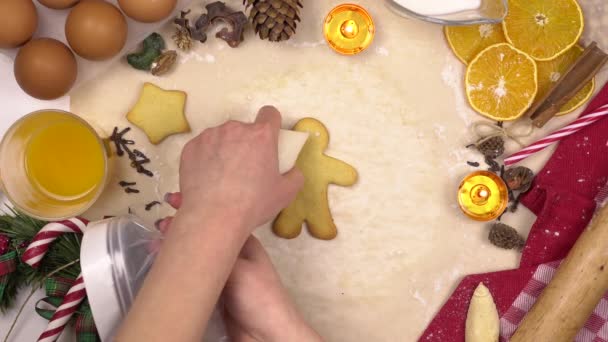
558	135
32	256
64	312
41	243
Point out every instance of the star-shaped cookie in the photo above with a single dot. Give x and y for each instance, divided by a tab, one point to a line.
159	113
311	205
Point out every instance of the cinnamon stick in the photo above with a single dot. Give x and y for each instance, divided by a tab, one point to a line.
572	81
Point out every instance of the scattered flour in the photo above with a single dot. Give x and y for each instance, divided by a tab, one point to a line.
157	179
306	44
452	76
485	30
455	274
555	76
457	161
475	87
382	51
501	90
438	284
419	298
208	58
439	131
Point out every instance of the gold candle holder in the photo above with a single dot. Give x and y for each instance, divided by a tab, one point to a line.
348	29
483	196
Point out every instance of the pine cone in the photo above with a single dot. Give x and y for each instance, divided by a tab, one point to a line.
504	236
275	20
492	147
182	38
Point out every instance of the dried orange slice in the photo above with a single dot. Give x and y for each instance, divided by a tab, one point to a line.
544	29
468	41
549	73
501	82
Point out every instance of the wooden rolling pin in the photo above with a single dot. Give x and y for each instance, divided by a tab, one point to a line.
578	286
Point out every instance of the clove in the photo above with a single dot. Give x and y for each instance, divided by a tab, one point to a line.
138	158
151	204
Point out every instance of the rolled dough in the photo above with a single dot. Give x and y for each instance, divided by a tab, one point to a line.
396	112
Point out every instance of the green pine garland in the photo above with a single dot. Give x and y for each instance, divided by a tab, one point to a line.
16	281
21	229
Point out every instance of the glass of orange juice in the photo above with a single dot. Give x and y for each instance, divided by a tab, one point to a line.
53	165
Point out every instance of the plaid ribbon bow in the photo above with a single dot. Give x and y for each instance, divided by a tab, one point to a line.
8	264
84	325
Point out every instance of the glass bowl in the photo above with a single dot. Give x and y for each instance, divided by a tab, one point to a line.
490	12
22	191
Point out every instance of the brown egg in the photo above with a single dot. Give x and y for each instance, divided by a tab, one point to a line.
18	22
96	30
58	4
147	11
45	68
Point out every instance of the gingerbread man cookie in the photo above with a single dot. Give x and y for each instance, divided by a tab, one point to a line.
311	205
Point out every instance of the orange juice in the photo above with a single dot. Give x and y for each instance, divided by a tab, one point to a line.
53	165
64	160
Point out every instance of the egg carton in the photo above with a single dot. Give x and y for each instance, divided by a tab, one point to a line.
51	23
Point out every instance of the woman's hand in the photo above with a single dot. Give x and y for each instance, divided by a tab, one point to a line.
257	306
232	171
230	183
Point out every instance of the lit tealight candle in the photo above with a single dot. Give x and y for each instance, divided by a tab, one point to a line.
348	29
483	196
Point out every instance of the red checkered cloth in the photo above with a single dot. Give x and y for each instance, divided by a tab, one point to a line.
564	196
596	327
602	196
